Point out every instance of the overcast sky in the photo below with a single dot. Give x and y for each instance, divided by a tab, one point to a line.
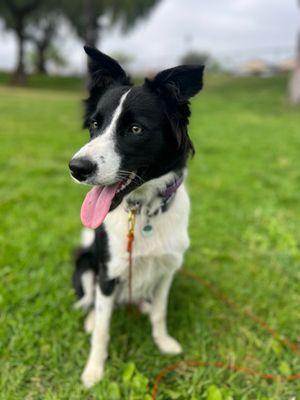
232	30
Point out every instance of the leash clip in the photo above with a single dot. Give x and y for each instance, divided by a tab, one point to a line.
131	221
130	234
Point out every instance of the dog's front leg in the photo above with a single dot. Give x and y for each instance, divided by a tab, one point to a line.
94	368
158	317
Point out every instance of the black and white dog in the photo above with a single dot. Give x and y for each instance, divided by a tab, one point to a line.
135	160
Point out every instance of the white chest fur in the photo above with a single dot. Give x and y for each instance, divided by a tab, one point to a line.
153	256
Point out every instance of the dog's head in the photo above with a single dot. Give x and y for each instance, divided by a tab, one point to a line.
137	133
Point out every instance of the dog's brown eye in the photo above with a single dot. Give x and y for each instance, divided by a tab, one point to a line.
136	129
94	124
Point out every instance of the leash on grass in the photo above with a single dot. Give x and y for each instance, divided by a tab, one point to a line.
293	347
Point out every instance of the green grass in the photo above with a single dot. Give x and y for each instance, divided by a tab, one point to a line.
39	81
245	231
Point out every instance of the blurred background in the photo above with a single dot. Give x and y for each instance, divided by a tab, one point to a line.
243	182
239	37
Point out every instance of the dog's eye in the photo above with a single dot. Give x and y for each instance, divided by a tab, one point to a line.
136	129
94	125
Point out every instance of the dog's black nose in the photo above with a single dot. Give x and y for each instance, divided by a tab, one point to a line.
81	168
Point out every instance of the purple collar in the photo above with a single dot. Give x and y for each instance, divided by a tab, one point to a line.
172	187
166	196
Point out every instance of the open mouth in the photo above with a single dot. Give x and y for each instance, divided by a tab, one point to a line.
101	199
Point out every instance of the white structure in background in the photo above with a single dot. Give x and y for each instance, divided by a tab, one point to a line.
264	68
287	65
255	67
294	84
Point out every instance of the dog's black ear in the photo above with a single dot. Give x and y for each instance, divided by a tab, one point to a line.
175	86
104	71
183	81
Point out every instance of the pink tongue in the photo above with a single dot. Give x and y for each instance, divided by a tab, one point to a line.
96	205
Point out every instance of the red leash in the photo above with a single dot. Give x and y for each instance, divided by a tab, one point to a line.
130	237
294	347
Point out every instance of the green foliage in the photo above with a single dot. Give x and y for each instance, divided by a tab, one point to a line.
245	234
195	57
38	21
52	55
8	10
28	10
34	20
213	393
125	59
60	83
126	12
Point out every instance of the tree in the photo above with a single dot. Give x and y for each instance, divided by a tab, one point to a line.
125	59
52	55
37	21
195	57
87	23
15	14
41	33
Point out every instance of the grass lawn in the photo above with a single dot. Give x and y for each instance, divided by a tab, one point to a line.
245	231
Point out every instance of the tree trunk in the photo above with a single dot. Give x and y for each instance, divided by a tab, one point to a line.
294	84
90	23
43	44
90	32
41	59
19	76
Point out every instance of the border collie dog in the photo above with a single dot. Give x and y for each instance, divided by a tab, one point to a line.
135	160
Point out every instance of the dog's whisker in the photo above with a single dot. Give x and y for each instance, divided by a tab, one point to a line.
125	174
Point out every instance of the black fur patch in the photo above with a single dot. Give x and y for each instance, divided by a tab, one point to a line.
102	253
94	258
85	260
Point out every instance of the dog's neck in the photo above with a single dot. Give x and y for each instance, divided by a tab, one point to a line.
155	192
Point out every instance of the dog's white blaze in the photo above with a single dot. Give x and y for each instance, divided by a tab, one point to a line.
102	150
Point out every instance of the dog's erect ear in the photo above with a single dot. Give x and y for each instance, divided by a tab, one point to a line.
104	71
183	81
175	86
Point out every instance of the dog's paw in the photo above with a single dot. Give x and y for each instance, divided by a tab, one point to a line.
169	345
145	307
84	303
91	375
89	322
